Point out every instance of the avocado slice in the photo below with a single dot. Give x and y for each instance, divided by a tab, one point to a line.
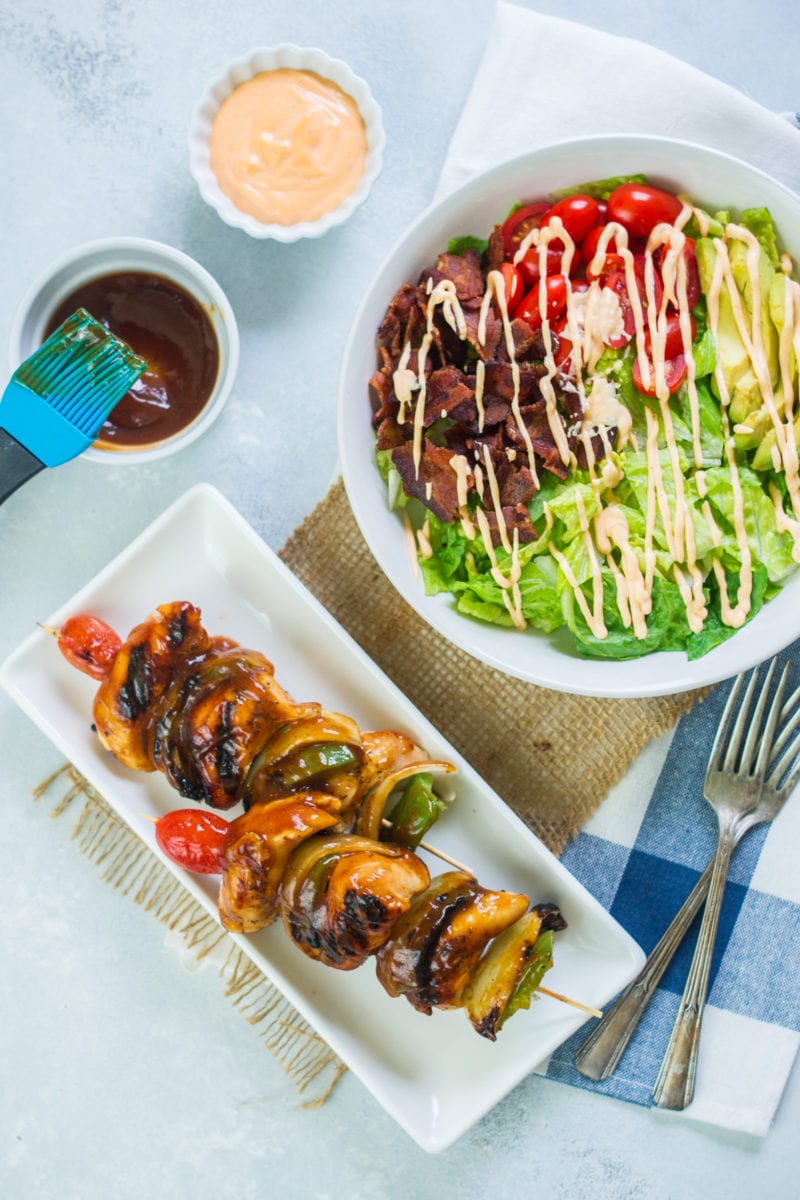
737	369
748	399
762	459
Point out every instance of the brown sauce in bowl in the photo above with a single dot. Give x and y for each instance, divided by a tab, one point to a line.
171	330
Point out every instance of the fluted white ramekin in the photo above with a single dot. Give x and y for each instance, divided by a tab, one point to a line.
272	59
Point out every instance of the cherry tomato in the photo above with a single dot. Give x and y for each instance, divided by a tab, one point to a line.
578	215
563	351
555	298
673	345
674	374
617	280
193	839
692	273
589	245
640	207
88	644
528	265
514	287
518	224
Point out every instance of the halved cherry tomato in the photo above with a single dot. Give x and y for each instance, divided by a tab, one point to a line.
514	287
617	280
673	344
692	273
193	839
88	644
518	224
611	262
589	244
640	207
674	374
578	214
528	265
563	351
555	298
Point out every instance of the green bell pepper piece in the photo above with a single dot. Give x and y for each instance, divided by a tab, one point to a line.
417	809
540	961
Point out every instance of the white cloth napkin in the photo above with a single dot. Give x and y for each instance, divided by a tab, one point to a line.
655	94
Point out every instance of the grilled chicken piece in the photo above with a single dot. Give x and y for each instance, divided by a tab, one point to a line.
256	853
435	945
213	719
385	751
164	645
342	895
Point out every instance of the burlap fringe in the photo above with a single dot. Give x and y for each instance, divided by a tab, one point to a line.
128	866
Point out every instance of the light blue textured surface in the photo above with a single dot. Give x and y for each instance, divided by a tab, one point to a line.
121	1074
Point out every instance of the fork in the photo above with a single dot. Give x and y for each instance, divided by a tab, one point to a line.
600	1054
733	787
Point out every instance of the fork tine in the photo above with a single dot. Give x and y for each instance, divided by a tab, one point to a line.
715	757
768	737
789	762
787	725
744	723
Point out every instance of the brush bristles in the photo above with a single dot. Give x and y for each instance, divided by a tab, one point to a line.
82	371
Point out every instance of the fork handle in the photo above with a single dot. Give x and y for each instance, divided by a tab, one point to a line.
599	1055
674	1086
16	464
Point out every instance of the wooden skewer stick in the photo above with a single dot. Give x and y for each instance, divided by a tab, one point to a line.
439	853
593	1012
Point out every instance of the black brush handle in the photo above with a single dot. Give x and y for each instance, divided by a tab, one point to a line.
16	464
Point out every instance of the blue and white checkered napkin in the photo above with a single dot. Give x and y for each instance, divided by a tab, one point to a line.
644	848
640	855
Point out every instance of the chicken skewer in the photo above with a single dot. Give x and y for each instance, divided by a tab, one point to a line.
314	787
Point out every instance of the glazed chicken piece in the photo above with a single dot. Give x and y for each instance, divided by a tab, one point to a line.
193	707
435	945
212	721
255	855
342	895
168	642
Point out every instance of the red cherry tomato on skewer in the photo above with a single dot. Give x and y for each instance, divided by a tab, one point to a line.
639	207
88	644
193	839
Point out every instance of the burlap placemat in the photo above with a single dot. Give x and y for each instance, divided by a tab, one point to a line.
551	756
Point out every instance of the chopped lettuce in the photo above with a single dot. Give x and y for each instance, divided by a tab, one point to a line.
459	244
601	189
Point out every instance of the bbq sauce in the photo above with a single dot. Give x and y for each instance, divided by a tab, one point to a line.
164	324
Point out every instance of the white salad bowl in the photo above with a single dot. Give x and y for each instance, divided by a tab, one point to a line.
714	181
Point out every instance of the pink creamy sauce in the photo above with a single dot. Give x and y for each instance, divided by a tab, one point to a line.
288	146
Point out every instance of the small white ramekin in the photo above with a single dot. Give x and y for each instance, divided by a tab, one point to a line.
272	59
105	257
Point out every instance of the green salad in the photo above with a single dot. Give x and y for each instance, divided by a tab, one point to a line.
590	419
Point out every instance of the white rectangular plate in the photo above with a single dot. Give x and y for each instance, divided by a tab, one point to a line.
435	1075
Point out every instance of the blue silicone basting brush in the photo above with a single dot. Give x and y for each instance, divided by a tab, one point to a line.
58	398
